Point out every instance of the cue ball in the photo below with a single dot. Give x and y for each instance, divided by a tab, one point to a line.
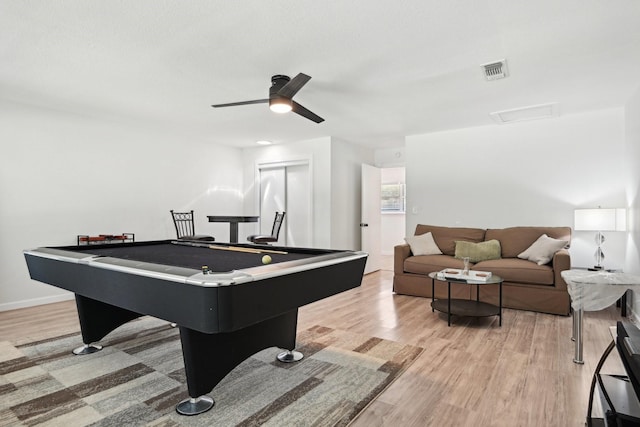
266	259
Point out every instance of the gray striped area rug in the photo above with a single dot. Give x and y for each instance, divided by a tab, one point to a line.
138	378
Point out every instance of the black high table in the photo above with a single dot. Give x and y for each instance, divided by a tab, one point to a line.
233	221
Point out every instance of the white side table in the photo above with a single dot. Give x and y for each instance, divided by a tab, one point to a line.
593	291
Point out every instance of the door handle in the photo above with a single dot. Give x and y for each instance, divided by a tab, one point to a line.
364	224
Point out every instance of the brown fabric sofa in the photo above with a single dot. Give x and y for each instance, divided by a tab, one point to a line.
526	286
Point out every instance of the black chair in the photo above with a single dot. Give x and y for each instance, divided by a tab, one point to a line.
275	231
185	227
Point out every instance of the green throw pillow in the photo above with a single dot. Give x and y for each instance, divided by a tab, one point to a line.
477	252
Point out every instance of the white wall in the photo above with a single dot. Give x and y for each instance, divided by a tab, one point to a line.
62	175
526	173
390	157
632	136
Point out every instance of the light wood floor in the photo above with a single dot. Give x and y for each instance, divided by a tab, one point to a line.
473	373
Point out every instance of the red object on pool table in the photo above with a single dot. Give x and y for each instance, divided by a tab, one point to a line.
84	239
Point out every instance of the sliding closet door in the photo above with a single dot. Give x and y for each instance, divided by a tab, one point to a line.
273	198
287	188
298	206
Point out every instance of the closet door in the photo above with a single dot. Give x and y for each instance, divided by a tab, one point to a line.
298	206
273	198
287	187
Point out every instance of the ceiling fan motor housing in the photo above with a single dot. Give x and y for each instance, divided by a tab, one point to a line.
279	80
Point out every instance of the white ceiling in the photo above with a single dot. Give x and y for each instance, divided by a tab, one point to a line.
380	69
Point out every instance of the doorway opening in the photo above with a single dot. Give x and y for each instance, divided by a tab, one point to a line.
383	221
393	213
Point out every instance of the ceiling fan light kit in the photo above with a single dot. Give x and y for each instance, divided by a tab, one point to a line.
281	95
280	105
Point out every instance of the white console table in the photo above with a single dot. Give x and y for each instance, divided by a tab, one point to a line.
593	291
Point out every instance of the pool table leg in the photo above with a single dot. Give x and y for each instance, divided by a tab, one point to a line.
290	356
97	319
208	358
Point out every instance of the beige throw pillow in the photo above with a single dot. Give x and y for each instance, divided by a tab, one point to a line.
543	249
423	245
477	252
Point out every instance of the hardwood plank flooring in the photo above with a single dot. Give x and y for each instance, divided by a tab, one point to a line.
473	373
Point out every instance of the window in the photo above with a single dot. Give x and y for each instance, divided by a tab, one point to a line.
393	198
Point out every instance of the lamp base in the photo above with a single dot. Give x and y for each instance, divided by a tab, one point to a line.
596	268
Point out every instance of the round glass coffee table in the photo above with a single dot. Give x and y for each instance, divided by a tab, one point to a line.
466	307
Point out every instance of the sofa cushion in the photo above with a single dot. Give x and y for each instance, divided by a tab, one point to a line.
476	252
543	249
423	245
515	240
445	237
425	264
518	270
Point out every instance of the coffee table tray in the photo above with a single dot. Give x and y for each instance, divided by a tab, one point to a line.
456	274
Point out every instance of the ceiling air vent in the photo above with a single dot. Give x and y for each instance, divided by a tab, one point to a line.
530	112
495	70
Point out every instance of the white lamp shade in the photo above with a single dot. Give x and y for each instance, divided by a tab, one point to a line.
600	219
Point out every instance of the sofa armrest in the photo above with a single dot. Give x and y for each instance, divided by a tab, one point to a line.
400	253
561	262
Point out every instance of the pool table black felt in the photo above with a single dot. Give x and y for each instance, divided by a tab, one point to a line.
187	256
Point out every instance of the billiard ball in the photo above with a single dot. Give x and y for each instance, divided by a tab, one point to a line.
266	259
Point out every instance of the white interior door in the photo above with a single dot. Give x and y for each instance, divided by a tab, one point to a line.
371	217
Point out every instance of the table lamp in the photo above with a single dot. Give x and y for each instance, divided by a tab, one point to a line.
600	220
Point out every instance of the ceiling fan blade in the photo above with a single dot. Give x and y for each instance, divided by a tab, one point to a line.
294	85
299	109
233	104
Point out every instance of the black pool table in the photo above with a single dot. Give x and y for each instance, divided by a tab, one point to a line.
226	302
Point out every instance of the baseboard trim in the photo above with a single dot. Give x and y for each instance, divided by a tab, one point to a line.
36	301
